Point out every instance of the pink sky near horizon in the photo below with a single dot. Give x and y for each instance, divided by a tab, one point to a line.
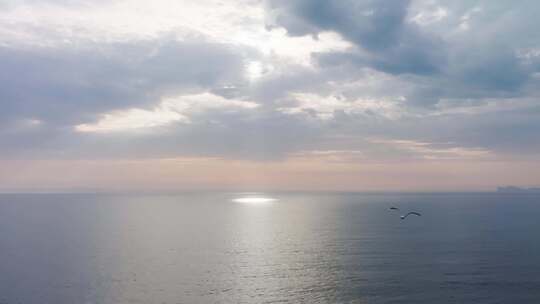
185	174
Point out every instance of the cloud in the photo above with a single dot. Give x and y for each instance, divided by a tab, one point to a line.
394	37
177	109
271	80
373	24
434	151
65	85
326	107
377	27
429	16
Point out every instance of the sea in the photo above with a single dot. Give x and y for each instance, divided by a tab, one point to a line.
256	247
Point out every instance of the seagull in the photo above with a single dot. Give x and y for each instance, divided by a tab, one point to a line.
394	208
413	213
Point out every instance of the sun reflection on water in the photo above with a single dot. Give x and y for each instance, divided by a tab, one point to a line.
254	200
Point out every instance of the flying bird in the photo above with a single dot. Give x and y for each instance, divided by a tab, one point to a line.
410	213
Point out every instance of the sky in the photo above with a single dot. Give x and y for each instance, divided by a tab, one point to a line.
241	95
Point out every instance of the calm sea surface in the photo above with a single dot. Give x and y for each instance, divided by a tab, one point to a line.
300	248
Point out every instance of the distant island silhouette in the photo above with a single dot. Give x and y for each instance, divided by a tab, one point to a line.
513	189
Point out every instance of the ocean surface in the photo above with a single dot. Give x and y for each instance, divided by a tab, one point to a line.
247	248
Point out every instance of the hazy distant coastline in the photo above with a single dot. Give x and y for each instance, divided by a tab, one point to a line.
512	189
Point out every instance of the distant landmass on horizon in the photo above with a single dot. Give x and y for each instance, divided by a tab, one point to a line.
513	189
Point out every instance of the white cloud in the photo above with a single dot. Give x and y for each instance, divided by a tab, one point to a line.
465	23
257	69
528	53
435	151
177	109
239	22
132	119
329	155
481	106
427	17
325	107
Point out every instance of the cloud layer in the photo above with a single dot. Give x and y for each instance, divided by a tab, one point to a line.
348	80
